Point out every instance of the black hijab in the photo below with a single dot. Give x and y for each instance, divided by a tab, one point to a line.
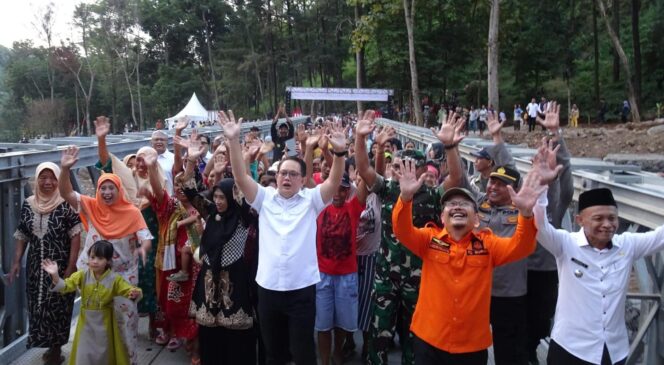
220	227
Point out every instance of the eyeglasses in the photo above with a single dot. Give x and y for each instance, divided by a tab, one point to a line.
458	203
291	174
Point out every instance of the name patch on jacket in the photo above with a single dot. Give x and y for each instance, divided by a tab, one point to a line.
439	245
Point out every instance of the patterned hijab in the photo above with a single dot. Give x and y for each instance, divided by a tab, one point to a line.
40	201
117	220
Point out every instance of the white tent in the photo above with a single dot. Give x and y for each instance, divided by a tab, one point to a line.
194	111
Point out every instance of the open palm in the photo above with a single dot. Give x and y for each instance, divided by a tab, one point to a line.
102	126
230	126
450	131
530	190
69	157
551	118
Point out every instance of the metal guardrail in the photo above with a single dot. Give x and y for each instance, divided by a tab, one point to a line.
640	198
18	162
640	202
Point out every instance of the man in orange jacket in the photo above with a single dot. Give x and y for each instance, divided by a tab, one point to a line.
451	320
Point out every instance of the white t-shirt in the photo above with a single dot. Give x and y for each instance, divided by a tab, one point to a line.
287	257
532	110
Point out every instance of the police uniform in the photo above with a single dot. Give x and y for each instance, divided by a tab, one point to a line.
509	287
398	271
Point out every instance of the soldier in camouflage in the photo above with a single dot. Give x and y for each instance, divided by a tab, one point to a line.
398	271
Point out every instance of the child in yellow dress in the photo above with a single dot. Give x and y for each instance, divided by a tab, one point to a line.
97	339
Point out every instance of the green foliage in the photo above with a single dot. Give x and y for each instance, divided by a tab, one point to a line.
242	54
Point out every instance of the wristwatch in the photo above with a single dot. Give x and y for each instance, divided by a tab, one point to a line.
340	154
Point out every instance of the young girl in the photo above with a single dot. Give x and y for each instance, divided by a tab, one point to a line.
97	339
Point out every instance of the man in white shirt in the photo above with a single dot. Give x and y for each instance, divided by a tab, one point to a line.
287	261
532	109
594	266
166	158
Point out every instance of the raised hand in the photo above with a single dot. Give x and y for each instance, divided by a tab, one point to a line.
551	120
408	181
366	124
323	140
337	138
450	131
51	267
527	196
314	138
493	123
251	149
69	157
196	148
266	147
150	159
182	123
546	163
301	133
102	126
230	126
385	135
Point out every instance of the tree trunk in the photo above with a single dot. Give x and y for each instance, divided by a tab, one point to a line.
210	61
636	117
358	60
616	28
596	45
636	43
409	13
492	56
141	123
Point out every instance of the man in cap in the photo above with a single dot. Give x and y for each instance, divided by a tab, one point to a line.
398	271
594	266
497	212
285	132
451	320
483	165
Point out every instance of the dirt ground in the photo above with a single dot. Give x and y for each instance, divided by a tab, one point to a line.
595	140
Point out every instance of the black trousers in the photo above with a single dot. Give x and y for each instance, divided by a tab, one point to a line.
541	301
223	346
287	323
558	355
531	124
426	354
508	325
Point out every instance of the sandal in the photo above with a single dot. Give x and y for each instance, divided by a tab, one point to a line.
162	339
174	344
178	276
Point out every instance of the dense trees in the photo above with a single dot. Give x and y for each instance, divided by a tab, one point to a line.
139	60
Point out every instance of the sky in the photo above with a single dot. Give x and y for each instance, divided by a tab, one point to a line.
18	16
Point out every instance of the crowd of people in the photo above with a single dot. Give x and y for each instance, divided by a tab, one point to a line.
241	250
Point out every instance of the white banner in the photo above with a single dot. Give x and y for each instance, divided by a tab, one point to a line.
340	94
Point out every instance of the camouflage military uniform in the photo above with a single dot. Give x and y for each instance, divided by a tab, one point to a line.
398	273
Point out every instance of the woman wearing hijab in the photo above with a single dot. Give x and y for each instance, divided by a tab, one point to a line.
133	172
221	300
110	216
52	229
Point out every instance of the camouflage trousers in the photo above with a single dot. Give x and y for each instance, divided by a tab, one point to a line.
396	287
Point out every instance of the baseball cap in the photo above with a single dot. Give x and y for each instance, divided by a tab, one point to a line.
458	191
483	153
506	174
416	155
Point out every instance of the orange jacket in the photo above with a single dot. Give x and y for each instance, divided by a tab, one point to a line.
452	311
